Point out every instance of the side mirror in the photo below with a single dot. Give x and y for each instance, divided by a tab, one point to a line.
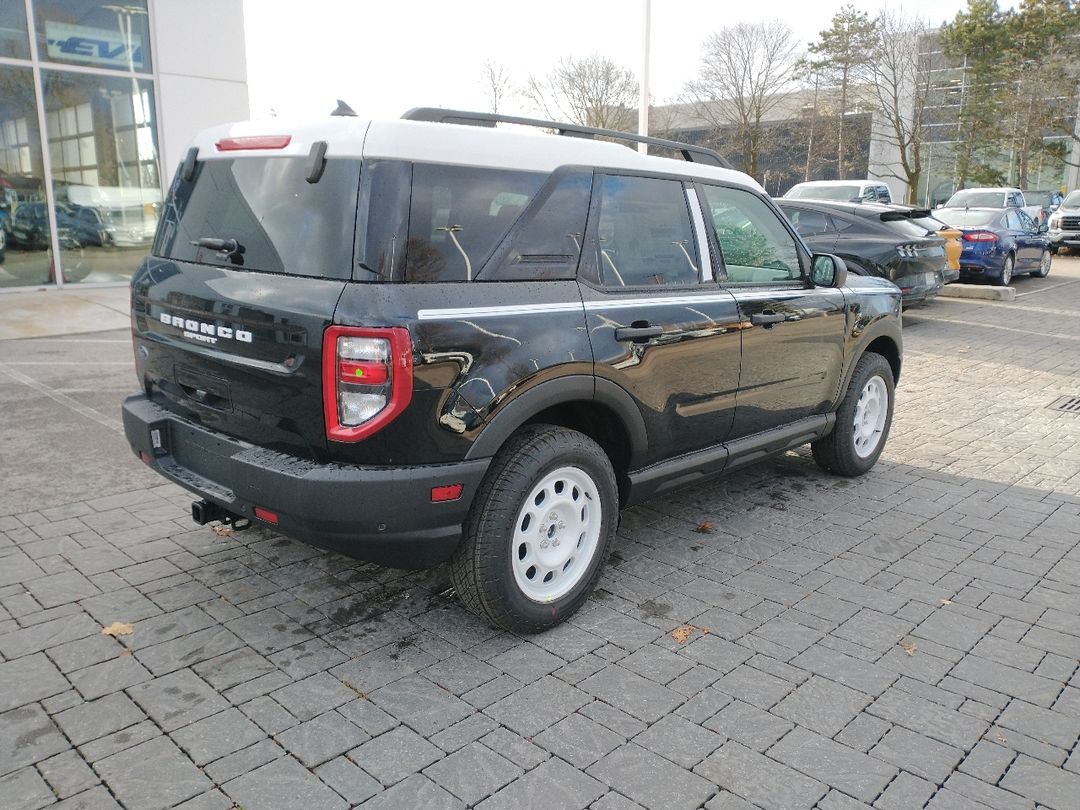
1044	228
828	271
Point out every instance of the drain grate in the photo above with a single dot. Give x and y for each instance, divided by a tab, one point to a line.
1067	404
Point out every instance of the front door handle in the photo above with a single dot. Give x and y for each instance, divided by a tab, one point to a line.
638	334
767	318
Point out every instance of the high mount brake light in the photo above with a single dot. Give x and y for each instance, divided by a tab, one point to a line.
980	236
253	142
367	379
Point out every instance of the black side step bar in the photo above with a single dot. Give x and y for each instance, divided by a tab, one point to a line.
690	152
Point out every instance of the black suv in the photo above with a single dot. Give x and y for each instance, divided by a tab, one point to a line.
416	341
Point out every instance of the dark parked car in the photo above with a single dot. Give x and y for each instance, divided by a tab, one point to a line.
891	242
483	344
78	226
999	244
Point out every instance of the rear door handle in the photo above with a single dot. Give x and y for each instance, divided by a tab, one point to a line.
767	318
638	334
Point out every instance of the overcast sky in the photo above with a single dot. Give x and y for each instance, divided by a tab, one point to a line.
386	56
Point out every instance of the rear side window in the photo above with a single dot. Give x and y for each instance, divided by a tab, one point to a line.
458	216
808	223
644	233
282	223
548	244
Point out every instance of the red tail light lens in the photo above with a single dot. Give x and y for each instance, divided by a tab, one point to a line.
980	236
367	379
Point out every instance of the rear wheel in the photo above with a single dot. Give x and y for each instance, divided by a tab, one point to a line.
539	530
1005	276
862	420
1044	265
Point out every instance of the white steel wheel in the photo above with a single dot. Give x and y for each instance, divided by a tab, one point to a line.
556	534
871	411
538	530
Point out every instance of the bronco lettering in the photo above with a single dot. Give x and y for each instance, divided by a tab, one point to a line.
199	330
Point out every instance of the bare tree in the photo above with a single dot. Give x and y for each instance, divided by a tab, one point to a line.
901	88
495	79
746	70
594	92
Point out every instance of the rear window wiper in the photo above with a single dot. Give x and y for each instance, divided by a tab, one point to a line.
228	248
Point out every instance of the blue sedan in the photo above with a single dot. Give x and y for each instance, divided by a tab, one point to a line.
999	244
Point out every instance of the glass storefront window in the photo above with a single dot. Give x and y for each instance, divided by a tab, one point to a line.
14	41
102	141
25	256
93	33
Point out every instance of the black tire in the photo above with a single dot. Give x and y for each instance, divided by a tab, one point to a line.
1006	273
1044	265
837	453
483	566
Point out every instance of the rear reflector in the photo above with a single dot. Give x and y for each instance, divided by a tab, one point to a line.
450	492
253	142
367	373
145	457
265	515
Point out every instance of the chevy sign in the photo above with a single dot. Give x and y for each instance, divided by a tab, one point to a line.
92	46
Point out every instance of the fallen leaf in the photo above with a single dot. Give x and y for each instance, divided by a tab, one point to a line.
118	629
705	527
124	654
683	632
223	531
946	601
910	647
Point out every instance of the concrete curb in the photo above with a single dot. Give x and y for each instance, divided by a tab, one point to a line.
978	291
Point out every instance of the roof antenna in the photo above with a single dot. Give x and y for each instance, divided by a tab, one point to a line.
343	109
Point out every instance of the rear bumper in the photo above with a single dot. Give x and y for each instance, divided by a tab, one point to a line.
919	288
381	514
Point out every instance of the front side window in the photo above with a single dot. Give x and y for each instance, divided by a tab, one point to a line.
644	233
459	215
756	247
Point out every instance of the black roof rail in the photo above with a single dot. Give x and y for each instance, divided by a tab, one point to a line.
690	152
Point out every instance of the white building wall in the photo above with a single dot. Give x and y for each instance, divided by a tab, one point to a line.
201	66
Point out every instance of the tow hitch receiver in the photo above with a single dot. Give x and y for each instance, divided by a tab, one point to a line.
203	512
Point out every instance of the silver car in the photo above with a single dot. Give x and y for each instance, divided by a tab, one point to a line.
1065	224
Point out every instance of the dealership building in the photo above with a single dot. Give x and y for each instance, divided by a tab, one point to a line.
98	101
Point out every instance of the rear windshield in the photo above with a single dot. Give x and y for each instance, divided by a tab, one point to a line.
1072	201
989	199
839	193
283	223
905	227
962	218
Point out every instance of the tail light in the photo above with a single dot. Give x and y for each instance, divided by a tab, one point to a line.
907	251
367	379
980	236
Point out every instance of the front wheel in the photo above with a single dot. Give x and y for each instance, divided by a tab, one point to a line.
1044	265
539	530
862	420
